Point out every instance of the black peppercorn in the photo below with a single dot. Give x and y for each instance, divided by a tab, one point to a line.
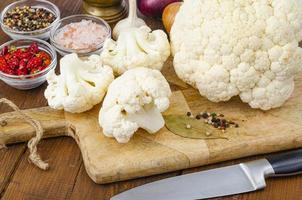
217	121
205	115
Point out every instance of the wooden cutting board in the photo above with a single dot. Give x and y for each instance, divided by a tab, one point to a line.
146	154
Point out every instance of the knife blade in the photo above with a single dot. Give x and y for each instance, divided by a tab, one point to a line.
240	178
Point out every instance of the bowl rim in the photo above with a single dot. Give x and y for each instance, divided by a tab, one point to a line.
50	66
54	30
43	30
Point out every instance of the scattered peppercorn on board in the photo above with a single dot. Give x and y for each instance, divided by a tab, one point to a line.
147	154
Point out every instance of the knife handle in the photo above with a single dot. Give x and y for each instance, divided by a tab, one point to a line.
288	163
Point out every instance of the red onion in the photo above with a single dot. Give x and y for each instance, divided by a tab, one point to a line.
153	8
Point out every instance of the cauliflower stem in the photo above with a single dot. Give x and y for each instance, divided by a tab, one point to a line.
148	118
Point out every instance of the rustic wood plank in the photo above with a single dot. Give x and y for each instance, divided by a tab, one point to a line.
10	158
107	161
9	161
105	192
278	189
29	182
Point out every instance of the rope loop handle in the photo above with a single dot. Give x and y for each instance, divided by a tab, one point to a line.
34	157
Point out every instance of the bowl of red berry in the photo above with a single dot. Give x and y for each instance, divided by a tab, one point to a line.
24	63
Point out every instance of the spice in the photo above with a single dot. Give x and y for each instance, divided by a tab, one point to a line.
213	114
208	134
85	34
216	120
28	18
205	115
23	61
188	126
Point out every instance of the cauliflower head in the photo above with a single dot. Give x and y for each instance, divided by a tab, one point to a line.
81	84
239	47
135	100
136	47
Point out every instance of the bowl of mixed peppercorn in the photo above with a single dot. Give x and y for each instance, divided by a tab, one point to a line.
24	63
29	18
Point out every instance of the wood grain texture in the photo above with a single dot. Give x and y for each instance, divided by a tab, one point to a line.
83	187
259	132
106	160
65	165
146	154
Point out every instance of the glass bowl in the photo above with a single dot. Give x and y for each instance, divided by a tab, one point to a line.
39	34
74	19
26	82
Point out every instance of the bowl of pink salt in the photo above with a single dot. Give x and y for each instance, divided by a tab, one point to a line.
81	34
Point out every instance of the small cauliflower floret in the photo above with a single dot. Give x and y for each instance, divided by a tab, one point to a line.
136	47
81	84
135	100
235	47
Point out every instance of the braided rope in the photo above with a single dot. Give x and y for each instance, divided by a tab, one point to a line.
34	157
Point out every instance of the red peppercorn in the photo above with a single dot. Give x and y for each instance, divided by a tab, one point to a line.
43	55
17	53
13	63
8	56
23	61
34	48
26	54
34	63
9	71
4	51
36	70
41	68
3	63
22	71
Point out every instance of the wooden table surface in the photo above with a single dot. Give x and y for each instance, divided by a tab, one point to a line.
67	178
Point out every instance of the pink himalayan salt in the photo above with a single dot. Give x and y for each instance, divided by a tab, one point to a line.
81	35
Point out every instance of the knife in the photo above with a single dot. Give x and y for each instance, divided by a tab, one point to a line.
240	178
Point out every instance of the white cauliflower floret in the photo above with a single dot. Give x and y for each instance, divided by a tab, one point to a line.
234	47
81	84
136	47
135	100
